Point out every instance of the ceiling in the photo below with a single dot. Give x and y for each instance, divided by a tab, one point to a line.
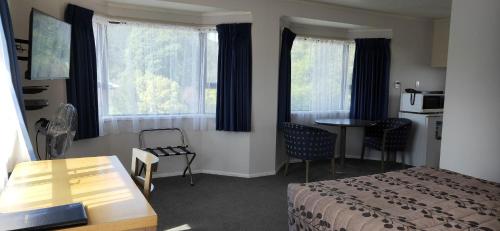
315	22
413	8
161	4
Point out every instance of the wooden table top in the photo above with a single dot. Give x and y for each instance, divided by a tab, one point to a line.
111	198
345	122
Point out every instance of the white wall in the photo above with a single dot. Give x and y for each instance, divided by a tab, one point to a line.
254	153
471	131
220	152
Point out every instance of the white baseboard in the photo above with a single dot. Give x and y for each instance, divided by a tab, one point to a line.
261	174
215	172
169	174
246	175
375	156
367	157
225	173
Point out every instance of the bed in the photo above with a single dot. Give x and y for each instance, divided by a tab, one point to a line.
418	198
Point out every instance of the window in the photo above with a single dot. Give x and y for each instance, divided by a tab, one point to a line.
155	76
158	70
321	77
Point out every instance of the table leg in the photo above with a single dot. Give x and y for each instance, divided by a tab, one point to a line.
342	145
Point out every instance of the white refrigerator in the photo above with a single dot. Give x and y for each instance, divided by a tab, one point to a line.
424	144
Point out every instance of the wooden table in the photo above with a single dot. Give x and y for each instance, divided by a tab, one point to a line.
343	124
111	198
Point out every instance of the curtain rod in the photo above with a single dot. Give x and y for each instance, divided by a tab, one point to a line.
124	20
323	37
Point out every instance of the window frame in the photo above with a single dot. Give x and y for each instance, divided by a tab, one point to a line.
202	69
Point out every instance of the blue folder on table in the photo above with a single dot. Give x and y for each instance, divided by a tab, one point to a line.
45	219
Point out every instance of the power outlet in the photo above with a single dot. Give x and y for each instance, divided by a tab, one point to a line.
417	84
397	84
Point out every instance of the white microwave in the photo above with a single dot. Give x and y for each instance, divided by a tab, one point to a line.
422	103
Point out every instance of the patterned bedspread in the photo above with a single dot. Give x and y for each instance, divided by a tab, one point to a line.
413	199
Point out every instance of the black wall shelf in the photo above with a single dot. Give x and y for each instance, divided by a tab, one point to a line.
34	89
35	104
22	46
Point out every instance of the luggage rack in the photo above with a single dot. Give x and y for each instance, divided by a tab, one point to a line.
181	150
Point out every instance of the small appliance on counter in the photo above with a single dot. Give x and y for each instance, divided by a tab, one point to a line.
422	101
425	110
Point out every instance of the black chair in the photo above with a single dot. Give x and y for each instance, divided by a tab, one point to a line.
308	143
387	136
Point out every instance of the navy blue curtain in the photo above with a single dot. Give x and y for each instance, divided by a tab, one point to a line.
81	87
11	48
234	77
370	80
285	75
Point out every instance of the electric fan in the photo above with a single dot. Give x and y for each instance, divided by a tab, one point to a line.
59	132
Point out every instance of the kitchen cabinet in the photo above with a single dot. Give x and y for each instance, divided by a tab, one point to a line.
440	38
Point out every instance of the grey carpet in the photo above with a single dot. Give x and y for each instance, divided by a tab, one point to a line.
231	203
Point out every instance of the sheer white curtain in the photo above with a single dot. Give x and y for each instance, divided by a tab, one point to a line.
321	79
155	76
12	142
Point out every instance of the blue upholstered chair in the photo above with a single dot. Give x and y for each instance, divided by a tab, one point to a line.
387	136
308	143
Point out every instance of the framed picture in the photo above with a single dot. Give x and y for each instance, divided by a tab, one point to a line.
22	47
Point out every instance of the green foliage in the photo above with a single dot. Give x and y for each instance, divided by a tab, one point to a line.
157	95
210	100
154	70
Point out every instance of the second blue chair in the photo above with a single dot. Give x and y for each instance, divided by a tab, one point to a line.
308	143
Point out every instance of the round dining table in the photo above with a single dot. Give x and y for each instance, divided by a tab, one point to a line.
344	124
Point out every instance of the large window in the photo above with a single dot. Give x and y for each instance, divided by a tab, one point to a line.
158	70
321	78
155	76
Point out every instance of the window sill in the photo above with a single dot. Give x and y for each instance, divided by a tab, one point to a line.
319	112
158	117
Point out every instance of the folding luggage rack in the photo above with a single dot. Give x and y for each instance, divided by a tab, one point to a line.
181	150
